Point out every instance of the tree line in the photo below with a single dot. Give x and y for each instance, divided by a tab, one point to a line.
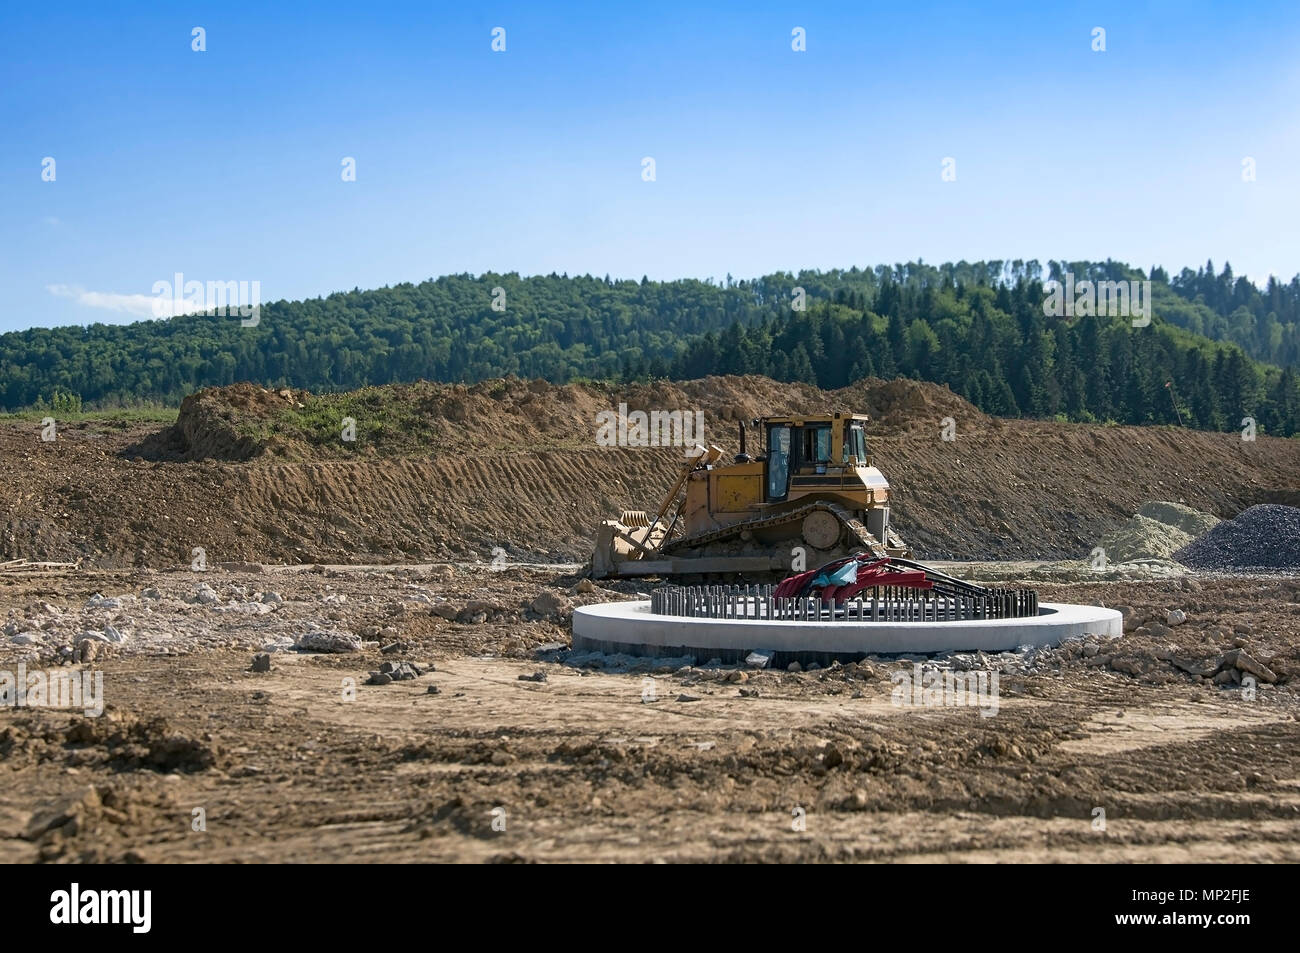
995	346
1225	348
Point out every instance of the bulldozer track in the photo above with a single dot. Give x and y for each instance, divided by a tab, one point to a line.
855	527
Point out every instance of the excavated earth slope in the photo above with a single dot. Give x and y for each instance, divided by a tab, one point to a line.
442	471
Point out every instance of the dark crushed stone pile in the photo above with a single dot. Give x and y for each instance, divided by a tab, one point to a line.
1263	537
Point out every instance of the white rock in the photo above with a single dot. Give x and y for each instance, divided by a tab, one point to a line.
100	601
205	595
24	638
112	634
247	608
1176	617
272	598
321	641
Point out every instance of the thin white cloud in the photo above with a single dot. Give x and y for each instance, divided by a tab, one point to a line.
141	306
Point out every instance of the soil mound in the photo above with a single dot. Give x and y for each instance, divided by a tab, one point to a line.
218	423
1156	531
244	421
1192	522
1143	538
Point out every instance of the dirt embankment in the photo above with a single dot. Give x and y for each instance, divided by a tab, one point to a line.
245	421
444	470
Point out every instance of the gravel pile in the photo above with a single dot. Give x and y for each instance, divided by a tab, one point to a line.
1192	522
1143	538
1263	537
1158	530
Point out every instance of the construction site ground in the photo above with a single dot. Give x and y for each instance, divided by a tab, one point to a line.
611	759
1178	742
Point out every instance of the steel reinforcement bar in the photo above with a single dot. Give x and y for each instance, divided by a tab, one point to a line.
884	604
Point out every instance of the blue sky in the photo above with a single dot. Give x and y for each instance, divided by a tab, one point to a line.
225	165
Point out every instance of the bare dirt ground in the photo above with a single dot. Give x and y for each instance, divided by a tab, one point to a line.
609	758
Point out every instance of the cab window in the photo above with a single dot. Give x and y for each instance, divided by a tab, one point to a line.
816	446
778	462
855	443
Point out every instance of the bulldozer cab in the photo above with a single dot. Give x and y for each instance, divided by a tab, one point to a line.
808	446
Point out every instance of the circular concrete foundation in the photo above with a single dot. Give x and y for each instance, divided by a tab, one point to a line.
632	628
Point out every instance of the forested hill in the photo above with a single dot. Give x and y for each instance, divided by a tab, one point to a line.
980	328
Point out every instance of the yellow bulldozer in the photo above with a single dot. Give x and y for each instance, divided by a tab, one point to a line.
812	495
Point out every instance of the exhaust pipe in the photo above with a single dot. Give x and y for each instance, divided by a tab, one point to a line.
742	457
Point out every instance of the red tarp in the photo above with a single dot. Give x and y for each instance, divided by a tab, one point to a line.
877	572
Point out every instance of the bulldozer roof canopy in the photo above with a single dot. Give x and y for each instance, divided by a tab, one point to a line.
803	420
